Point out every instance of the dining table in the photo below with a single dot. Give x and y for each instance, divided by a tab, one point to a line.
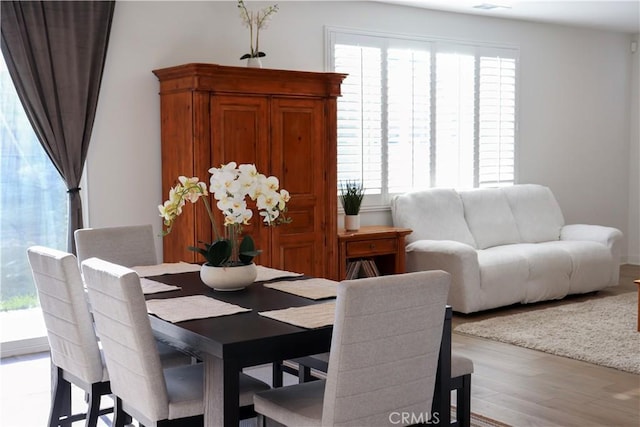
227	344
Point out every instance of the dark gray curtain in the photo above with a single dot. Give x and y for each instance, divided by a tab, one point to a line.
55	53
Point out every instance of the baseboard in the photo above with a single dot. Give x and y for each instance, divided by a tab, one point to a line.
630	259
21	347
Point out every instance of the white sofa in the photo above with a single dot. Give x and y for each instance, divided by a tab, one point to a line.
505	245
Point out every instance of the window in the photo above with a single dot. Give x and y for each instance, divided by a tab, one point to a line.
420	113
33	208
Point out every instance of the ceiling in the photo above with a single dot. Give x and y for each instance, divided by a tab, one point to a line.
614	15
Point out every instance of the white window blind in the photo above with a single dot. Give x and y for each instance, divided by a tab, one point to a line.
360	116
408	119
418	113
497	125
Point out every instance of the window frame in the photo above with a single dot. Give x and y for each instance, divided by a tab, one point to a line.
343	35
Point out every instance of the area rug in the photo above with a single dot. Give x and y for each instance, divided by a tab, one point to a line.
600	331
478	420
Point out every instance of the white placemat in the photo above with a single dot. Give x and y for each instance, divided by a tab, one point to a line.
191	307
165	268
267	273
315	288
153	287
308	316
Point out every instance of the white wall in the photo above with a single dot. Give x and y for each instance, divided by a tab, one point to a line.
575	93
633	232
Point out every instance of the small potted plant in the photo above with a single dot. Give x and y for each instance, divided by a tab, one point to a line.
351	195
255	21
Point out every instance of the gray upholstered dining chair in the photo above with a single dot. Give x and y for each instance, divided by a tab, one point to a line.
75	354
143	389
383	358
130	246
461	370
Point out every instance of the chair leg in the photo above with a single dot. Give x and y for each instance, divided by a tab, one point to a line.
463	402
94	397
93	408
61	398
277	374
120	417
304	374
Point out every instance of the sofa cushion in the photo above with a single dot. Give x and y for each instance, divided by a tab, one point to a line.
503	274
536	211
549	271
592	265
489	217
435	214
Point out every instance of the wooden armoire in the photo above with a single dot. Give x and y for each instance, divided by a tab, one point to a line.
284	122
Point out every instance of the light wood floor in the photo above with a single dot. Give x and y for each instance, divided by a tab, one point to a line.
525	387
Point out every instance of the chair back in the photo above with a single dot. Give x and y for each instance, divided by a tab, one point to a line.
73	342
385	347
123	326
128	245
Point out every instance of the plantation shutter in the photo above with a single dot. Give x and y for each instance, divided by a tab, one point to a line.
497	127
455	115
408	120
360	115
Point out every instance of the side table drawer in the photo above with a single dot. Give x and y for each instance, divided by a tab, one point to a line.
371	247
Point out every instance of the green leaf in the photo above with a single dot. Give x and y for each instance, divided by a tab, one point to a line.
201	251
247	250
219	252
351	195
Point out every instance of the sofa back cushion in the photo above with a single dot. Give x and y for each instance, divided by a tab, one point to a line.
434	214
489	217
536	211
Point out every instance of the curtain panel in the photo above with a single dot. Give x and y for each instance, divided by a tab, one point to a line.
55	53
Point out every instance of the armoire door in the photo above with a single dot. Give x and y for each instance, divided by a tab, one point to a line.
240	133
298	159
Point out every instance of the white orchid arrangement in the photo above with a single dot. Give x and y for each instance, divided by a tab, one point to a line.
230	185
255	21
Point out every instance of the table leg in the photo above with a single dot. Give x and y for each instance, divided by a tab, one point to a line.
221	392
277	372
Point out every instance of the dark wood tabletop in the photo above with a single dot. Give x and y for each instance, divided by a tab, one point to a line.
230	336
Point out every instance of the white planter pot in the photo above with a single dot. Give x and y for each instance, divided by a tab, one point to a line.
228	278
352	222
254	63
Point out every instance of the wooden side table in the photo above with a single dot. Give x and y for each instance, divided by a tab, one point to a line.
383	244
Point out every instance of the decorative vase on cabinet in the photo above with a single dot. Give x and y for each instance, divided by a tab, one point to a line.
213	114
254	62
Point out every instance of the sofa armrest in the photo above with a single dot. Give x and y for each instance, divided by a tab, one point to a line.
608	236
458	259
